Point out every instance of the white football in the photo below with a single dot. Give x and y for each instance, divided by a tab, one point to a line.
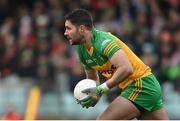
81	85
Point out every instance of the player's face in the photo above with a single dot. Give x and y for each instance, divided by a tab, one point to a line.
72	33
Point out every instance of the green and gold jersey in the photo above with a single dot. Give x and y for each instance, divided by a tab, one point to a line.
104	45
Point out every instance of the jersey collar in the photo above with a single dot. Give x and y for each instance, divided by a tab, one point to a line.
90	51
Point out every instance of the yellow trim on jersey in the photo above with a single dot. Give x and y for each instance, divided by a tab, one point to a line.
106	50
90	51
111	49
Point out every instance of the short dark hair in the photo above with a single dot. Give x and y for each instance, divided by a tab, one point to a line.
80	16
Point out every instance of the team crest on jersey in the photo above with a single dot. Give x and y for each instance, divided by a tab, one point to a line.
100	58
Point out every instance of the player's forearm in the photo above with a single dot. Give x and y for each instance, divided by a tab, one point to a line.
120	75
96	78
91	74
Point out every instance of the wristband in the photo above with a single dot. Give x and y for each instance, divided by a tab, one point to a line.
104	87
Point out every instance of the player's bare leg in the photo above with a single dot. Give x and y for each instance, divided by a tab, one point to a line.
120	108
156	115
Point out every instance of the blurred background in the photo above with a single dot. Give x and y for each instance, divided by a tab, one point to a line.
39	69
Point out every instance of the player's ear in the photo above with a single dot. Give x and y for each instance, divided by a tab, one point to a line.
81	28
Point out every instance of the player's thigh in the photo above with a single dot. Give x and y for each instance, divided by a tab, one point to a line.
159	114
120	108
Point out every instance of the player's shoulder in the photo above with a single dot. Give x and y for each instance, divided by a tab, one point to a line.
101	37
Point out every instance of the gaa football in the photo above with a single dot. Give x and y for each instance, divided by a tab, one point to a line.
81	85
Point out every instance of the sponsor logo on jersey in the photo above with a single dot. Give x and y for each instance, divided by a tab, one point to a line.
105	42
89	61
109	71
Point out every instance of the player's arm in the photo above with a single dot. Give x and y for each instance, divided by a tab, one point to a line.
92	74
124	68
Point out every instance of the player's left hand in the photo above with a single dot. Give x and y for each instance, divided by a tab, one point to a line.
94	94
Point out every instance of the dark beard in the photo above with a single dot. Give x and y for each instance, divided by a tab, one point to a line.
79	41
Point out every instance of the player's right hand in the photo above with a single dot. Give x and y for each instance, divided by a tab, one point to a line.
94	94
89	101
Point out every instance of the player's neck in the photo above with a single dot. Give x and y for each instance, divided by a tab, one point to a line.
87	38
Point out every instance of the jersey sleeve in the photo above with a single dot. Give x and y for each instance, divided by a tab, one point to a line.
109	47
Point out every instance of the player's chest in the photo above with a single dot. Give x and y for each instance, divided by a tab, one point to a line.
94	58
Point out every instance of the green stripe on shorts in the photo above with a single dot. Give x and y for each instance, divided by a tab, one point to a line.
146	92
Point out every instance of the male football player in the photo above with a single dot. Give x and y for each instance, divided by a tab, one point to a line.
103	52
